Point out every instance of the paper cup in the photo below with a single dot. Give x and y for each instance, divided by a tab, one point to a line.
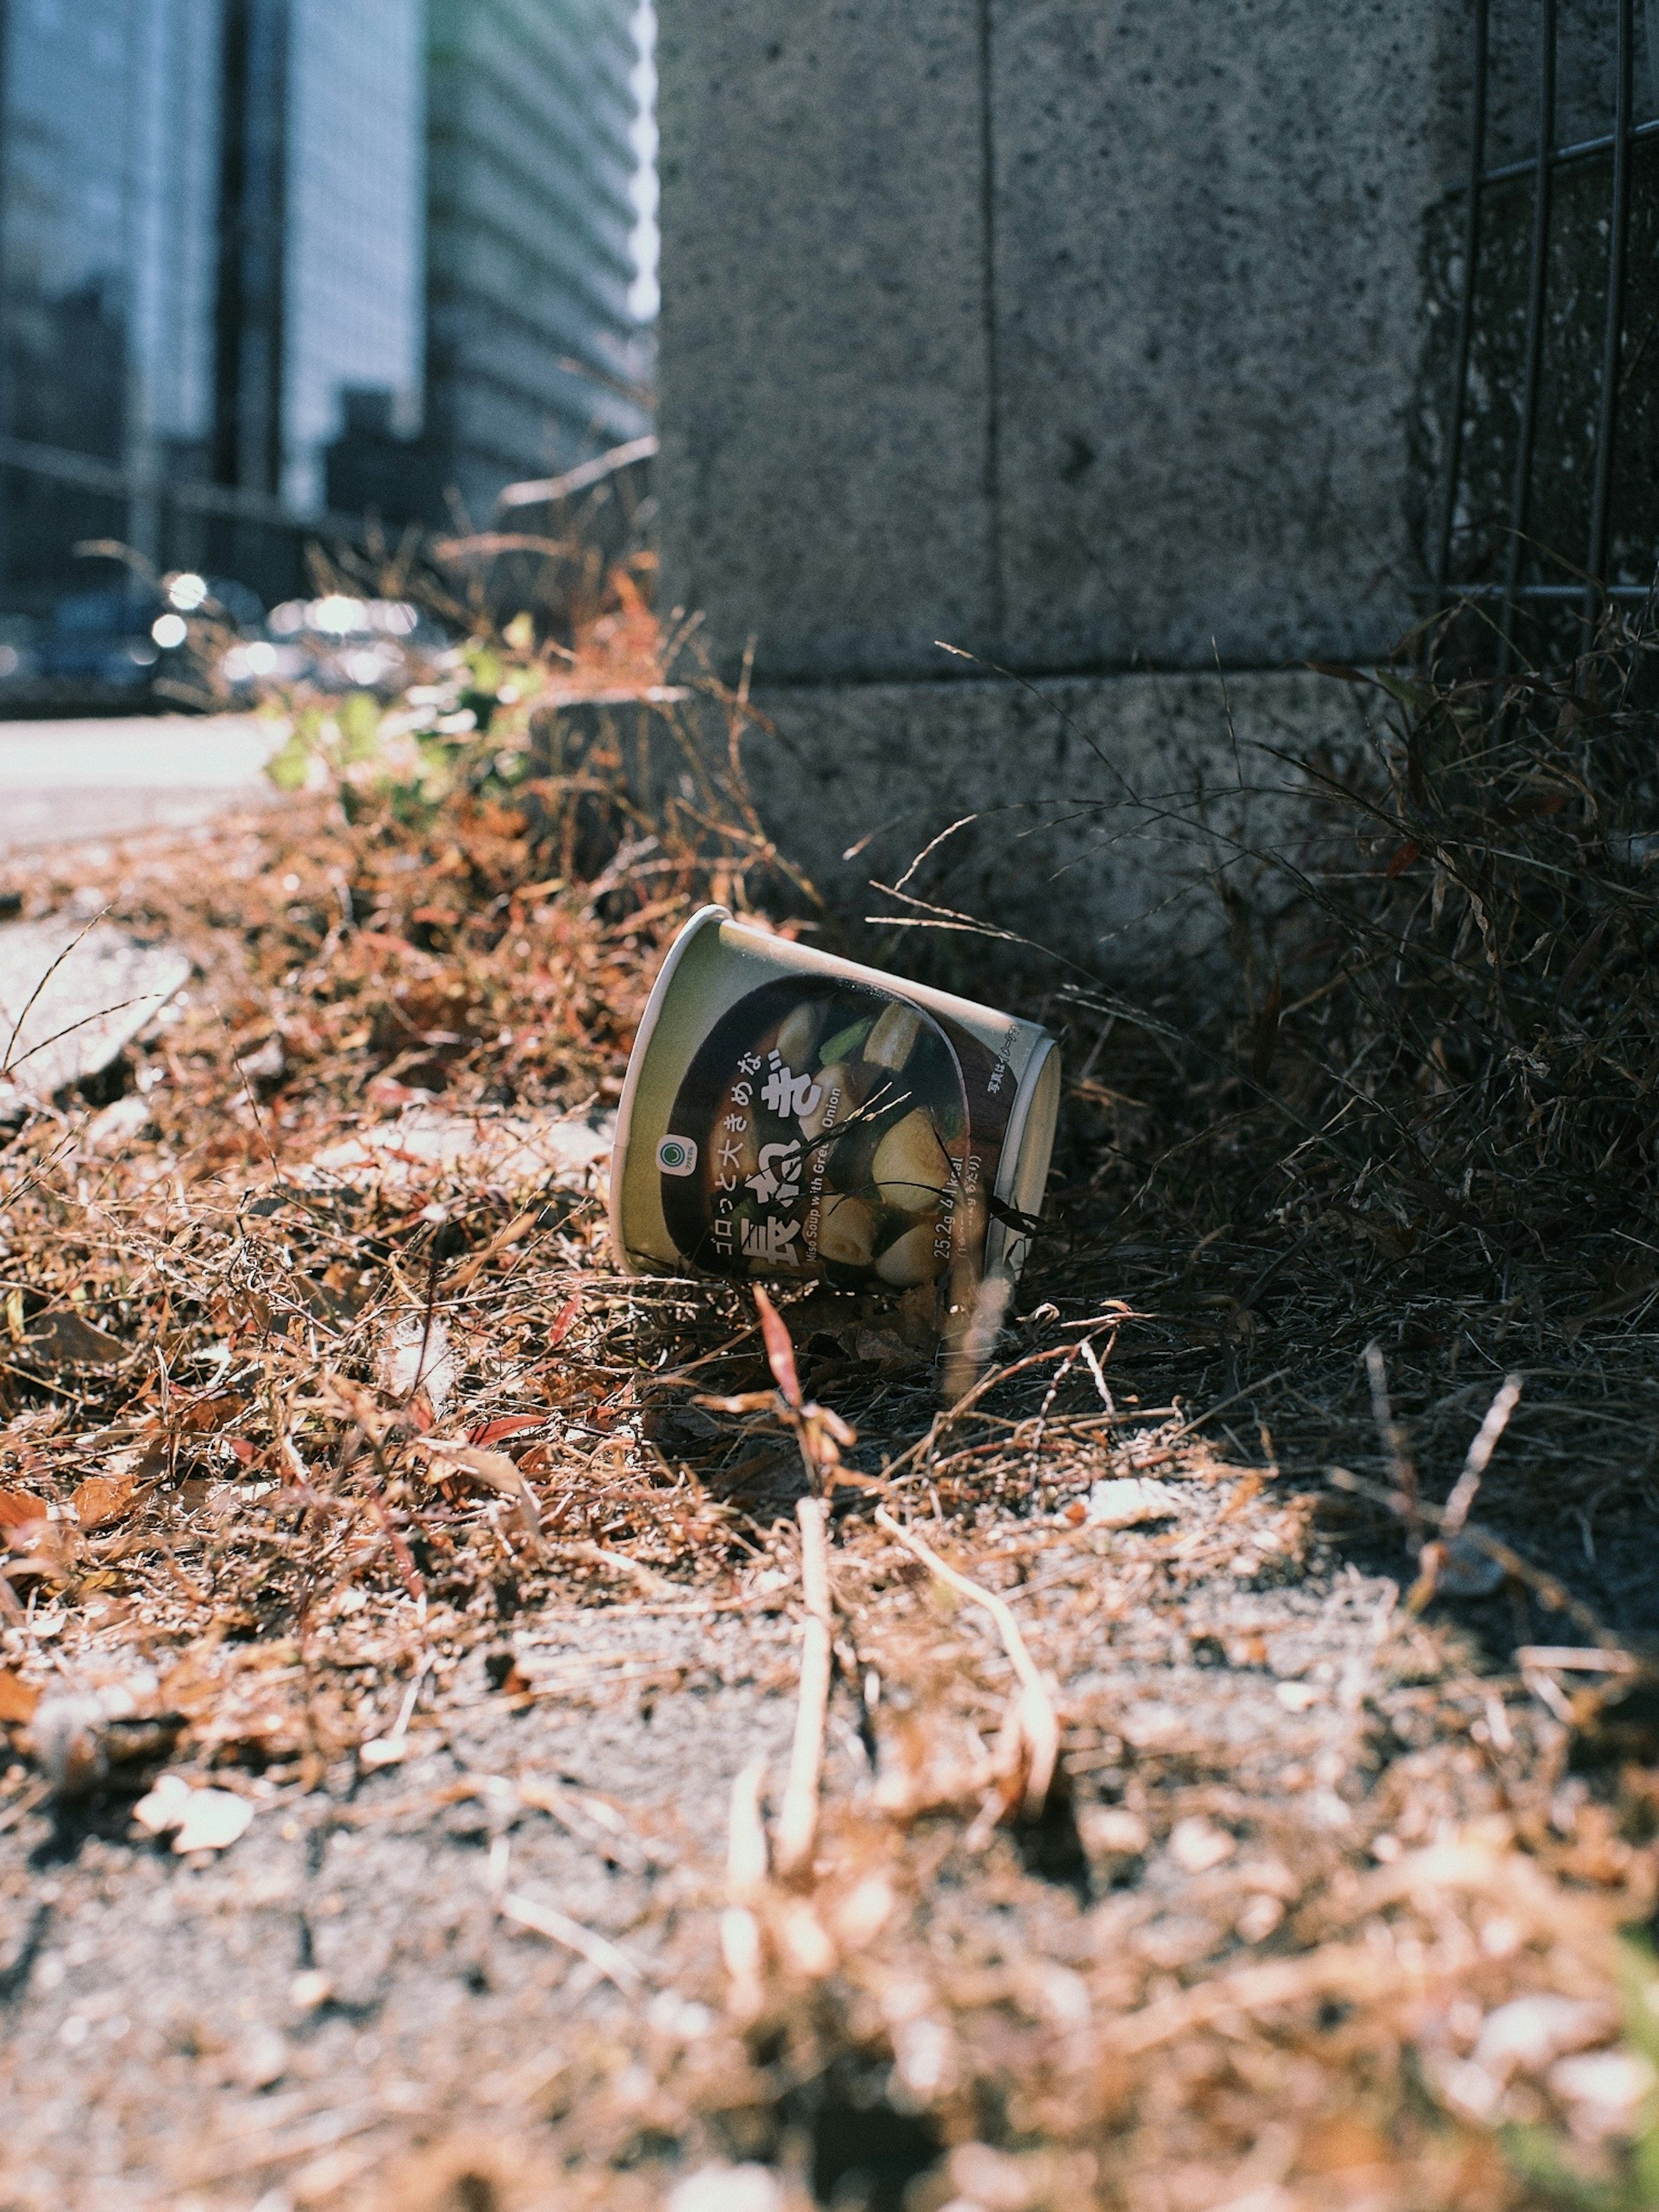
790	1115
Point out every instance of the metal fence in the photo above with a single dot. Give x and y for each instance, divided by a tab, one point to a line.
1549	497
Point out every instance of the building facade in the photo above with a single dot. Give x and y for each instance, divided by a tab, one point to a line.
109	148
262	260
534	358
355	226
1113	347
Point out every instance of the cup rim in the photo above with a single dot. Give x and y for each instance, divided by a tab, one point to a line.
693	928
1013	1158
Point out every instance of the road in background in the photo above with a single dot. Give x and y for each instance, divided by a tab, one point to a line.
106	778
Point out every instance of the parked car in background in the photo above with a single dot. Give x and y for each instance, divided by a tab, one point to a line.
129	646
103	640
334	644
189	640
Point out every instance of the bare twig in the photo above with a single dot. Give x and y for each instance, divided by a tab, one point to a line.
6	1061
600	1953
1439	1557
1038	1724
1555	1593
799	1819
745	1883
1394	1445
1480	1457
819	1432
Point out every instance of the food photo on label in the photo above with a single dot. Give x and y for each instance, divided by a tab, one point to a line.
791	1115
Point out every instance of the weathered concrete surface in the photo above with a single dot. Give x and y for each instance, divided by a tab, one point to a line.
1083	335
1102	809
825	389
109	778
72	994
1207	296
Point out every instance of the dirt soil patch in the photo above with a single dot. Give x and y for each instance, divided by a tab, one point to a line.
404	1628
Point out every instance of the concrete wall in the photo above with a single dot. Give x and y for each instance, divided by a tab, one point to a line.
1088	335
824	381
1099	818
1081	332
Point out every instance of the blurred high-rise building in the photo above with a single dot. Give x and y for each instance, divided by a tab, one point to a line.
534	359
259	258
354	224
108	199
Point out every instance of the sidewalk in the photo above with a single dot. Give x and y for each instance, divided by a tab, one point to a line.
62	780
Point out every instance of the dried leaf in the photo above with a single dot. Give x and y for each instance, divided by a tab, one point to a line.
101	1499
779	1351
416	1356
358	1405
1342	672
197	1820
202	1414
1402	860
17	1700
494	1470
509	1424
1417	696
20	1508
565	1320
65	1340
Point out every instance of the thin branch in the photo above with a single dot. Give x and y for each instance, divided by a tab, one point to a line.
1034	1713
798	1822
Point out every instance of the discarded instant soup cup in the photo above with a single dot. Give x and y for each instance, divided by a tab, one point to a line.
787	1114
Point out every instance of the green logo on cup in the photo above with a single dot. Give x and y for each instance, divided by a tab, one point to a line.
677	1156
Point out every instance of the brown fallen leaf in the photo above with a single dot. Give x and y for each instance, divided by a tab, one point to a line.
565	1320
102	1499
358	1405
17	1700
416	1357
494	1470
65	1340
510	1425
205	1413
20	1507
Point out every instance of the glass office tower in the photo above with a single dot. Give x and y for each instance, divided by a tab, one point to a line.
302	254
355	227
534	357
109	216
212	224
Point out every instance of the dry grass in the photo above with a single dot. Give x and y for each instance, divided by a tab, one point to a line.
1418	1109
331	1420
